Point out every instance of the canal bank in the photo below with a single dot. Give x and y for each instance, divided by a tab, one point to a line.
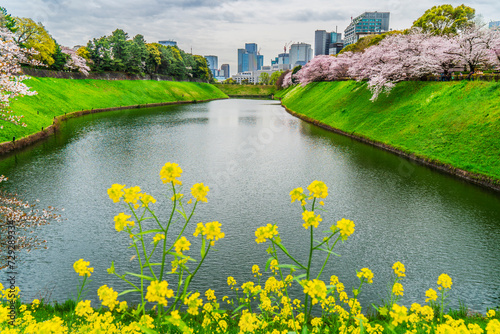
59	99
452	127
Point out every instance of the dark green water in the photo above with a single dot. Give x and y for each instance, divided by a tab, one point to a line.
251	153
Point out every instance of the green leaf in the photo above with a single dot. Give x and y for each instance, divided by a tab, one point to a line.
128	291
203	251
268	263
288	266
182	214
149	278
329	251
150	231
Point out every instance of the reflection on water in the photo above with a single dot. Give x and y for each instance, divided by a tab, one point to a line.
252	153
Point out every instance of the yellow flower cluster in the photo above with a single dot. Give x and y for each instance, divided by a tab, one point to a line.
130	195
445	281
399	269
107	296
397	289
297	194
170	172
266	232
431	295
318	189
310	219
82	268
83	309
345	226
366	274
193	303
316	289
158	237
121	222
158	292
211	230
199	192
182	245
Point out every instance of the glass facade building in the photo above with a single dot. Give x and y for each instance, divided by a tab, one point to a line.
368	23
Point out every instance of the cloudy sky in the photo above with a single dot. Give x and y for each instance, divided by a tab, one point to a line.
219	27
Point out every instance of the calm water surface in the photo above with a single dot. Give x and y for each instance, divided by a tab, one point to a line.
252	153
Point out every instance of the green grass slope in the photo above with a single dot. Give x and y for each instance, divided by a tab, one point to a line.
58	96
247	90
456	123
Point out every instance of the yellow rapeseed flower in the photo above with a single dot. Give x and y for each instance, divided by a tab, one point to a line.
210	294
490	314
193	303
367	274
399	269
445	281
200	228
84	309
158	237
345	226
310	219
170	172
108	296
318	189
297	194
158	292
266	232
177	197
182	245
131	195
248	322
116	192
146	199
431	295
213	231
231	281
397	289
316	289
256	270
82	268
121	221
199	192
398	314
493	326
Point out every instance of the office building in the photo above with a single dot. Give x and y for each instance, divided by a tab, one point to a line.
168	43
225	68
283	58
300	54
249	58
327	43
368	23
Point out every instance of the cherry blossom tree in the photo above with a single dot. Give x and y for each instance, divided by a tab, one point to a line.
475	47
11	78
287	80
75	62
318	69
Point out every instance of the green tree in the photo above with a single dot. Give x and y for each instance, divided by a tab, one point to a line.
100	54
274	77
365	42
60	59
30	34
264	78
153	58
444	19
138	54
120	50
200	69
6	20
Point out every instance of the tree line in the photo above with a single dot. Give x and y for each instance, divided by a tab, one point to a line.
116	52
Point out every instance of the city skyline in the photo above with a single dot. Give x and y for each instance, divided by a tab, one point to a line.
218	27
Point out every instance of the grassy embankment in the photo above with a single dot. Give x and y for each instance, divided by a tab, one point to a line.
455	123
247	90
59	96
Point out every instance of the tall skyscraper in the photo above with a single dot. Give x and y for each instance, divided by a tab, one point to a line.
327	43
368	23
249	58
300	54
225	68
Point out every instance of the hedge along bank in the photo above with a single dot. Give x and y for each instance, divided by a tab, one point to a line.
59	99
451	126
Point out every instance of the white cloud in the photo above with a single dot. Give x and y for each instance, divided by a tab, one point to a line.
218	27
